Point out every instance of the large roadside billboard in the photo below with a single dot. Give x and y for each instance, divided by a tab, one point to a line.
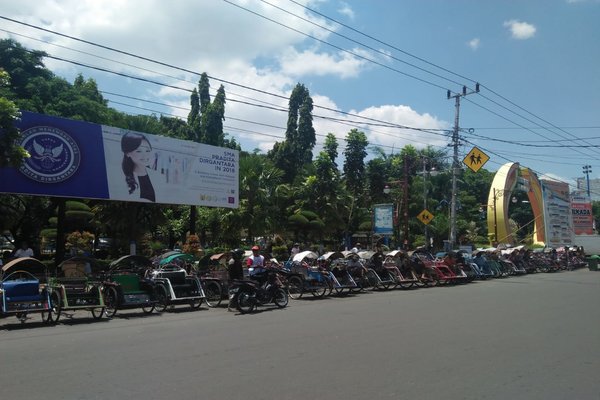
83	160
583	218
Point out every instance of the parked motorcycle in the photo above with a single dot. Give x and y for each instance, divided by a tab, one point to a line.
263	288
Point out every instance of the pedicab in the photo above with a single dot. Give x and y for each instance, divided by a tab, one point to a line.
424	268
379	277
23	290
174	284
305	276
447	273
341	280
215	280
355	265
212	286
127	286
74	287
397	263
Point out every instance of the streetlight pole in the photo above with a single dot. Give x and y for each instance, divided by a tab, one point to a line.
495	219
587	170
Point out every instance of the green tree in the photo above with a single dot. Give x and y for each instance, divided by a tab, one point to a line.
300	138
193	119
212	120
354	163
331	147
11	153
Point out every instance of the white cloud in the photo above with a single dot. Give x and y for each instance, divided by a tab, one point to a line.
227	43
474	43
520	30
310	62
346	10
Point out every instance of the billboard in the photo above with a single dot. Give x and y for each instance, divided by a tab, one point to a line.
384	219
583	219
79	159
557	213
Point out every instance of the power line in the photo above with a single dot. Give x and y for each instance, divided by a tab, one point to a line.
444	69
387	55
337	47
385	124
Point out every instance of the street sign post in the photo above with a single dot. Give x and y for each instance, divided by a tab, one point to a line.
425	216
476	159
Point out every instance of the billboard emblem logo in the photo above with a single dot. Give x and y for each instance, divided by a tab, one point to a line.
55	156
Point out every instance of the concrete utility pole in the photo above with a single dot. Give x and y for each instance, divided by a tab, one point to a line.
455	162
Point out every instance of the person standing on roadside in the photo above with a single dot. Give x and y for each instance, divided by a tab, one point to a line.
236	272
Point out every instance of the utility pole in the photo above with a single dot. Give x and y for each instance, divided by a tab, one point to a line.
405	187
425	199
455	162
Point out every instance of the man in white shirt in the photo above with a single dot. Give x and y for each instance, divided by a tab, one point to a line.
24	251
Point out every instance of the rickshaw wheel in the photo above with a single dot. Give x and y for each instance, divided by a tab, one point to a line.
56	307
161	299
97	312
320	292
295	286
214	294
195	304
147	309
111	300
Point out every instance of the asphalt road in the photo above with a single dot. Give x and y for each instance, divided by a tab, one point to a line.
530	337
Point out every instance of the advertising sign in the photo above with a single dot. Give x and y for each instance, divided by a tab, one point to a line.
557	213
84	160
384	219
583	219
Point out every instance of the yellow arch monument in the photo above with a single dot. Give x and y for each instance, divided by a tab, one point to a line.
508	178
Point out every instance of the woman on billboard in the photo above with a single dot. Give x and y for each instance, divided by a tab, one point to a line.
137	153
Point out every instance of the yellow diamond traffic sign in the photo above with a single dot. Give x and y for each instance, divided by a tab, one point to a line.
425	216
475	159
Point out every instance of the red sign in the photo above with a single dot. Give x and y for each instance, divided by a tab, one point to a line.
583	219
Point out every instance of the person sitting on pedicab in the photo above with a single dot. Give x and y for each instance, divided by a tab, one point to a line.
451	262
355	267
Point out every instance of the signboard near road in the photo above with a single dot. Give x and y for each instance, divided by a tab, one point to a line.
84	160
583	219
425	216
476	159
383	223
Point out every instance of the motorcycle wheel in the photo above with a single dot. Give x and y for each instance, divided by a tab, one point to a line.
281	298
245	303
295	286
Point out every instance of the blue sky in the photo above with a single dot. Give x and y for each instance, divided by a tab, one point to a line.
541	55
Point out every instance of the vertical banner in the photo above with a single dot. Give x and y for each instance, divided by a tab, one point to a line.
383	219
557	210
583	219
84	160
